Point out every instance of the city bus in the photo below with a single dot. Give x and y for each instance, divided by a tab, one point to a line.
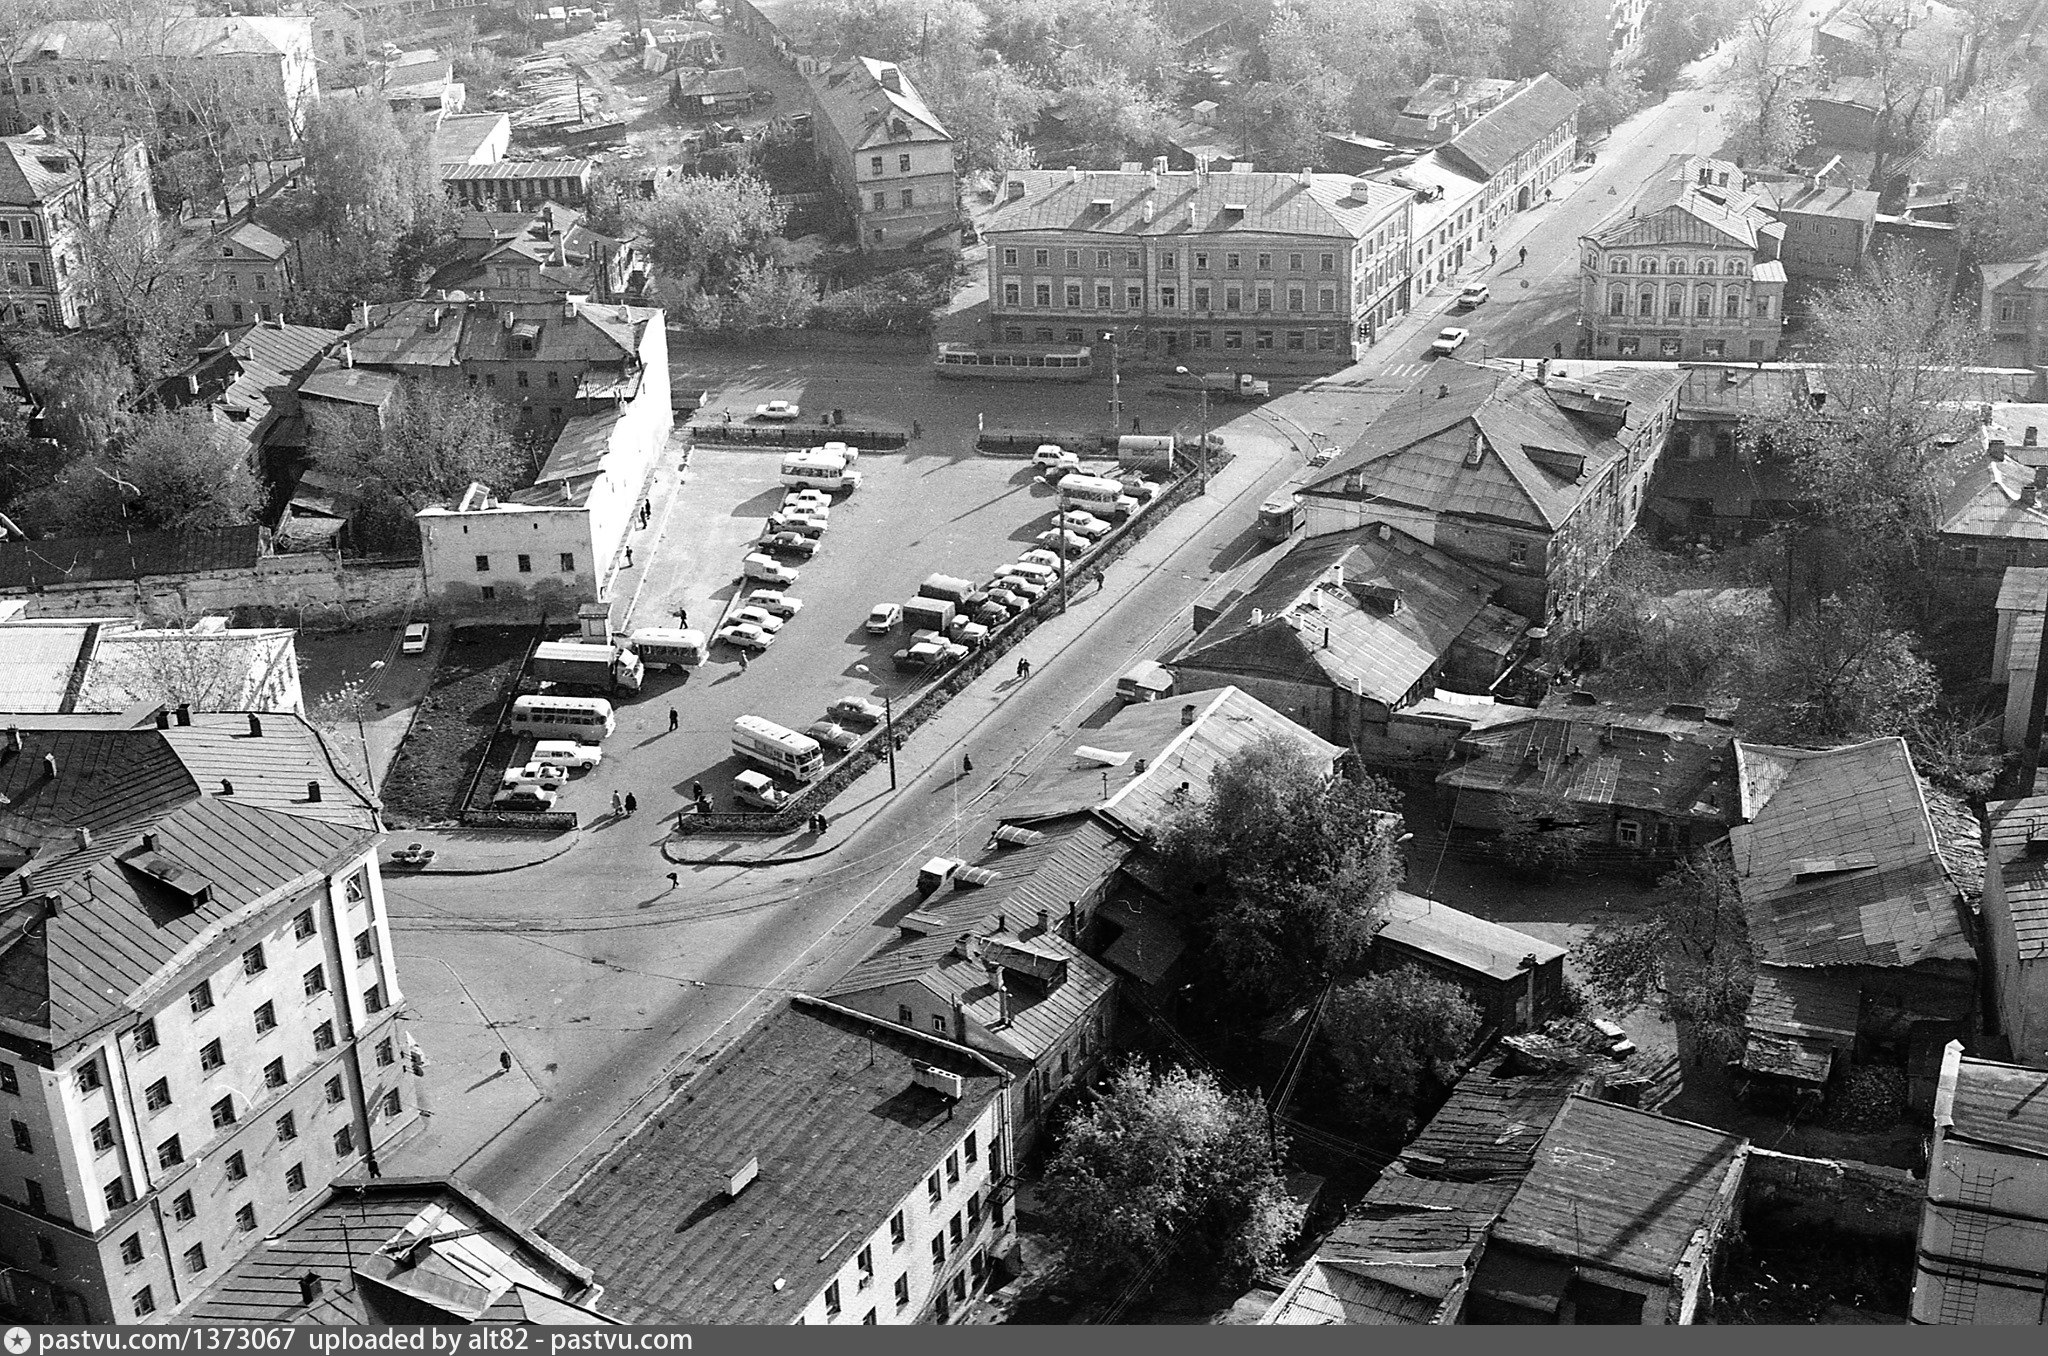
668	647
770	747
820	470
1096	494
1074	362
586	719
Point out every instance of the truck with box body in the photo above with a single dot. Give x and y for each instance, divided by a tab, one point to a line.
605	667
946	587
929	614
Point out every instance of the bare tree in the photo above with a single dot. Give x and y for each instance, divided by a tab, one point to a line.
1904	83
1764	76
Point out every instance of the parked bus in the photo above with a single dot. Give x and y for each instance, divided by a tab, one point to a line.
1014	362
821	470
668	648
768	746
586	719
1096	494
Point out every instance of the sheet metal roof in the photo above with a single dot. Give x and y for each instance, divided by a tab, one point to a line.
26	565
1983	1247
1489	1128
2023	588
1466	940
1514	125
516	169
1622	1188
1680	769
406	334
179	36
1374	1289
475	1265
1148	945
1839	864
1989	499
827	1104
2023	874
38	170
1418	452
41	662
1679	212
1368	614
1403	1211
1329	206
690	83
1798	1021
863	110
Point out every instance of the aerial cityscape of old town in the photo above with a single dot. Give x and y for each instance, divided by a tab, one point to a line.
1401	662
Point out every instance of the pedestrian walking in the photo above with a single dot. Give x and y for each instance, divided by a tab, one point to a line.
673	720
505	1061
1493	254
696	790
631	804
1557	350
1023	669
672	881
966	763
1134	423
1522	255
916	429
618	805
629	557
743	661
683	617
824	824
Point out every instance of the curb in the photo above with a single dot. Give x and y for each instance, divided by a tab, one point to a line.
438	870
784	860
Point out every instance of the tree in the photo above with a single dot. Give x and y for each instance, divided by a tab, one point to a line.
1568	39
1110	117
1166	1163
1847	670
428	449
988	111
1764	76
1907	88
699	230
1991	146
166	471
1540	836
1609	100
1649	627
1287	867
1688	958
1386	1033
1327	63
758	298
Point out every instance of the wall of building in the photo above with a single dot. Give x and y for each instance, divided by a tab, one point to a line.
1308	705
451	544
1863	1200
929	178
2019	989
1655	332
315	590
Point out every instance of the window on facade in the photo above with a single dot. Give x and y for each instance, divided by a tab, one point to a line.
145	1302
315	979
1202	338
832	1300
1041	257
211	1056
273	1074
1102	296
953	1169
1265	297
874	164
908	197
1646	303
182	1209
902	1291
1233	338
1763	307
344	1142
1518	554
932	1190
1649	265
157	1095
23	1142
335	1090
323	1036
145	1035
116	1193
224	1113
1013	294
896	1230
1628	832
295	1177
1074	296
201	997
266	1018
245	1218
195	1258
1734	303
1676	265
1263	339
1674	302
1703	301
302	926
938	1250
483	566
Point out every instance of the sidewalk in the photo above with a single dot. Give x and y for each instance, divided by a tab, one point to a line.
477	852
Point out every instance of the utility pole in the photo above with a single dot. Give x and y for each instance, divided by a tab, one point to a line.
1116	380
2037	715
1062	547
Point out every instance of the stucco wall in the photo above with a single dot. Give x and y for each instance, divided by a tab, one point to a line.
315	591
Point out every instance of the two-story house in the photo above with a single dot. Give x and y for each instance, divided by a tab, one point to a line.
1444	105
245	273
828	1169
2012	310
1450	218
887	153
528	256
1519	147
1537	477
53	201
199	1001
1687	270
1295	270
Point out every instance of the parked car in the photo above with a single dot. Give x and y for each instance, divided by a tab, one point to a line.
1031	589
758	790
746	637
991	615
1448	341
567	753
797	521
793	542
1050	559
971	634
1071	542
775	602
1141	489
415	641
882	618
534	774
1012	603
1086	524
832	735
778	409
1478	294
857	710
760	565
1052	454
817	503
757	617
524	797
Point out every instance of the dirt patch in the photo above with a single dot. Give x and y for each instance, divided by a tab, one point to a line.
455	725
1769	1278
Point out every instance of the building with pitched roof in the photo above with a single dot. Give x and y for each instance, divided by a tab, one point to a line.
1444	105
1993	519
472	139
532	256
1515	981
517	185
1828	227
887	153
245	274
45	222
707	93
256	74
1852	907
389	1251
1519	147
2012	307
1617	1221
1236	269
1983	1248
1686	270
2015	923
73	665
1344	629
199	1002
1537	477
247	380
1449	221
1651	784
828	1168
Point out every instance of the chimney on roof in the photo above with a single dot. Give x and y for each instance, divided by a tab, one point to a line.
1002	923
348	354
1148	213
1044	920
192	384
1443	391
1995	449
184	713
434	319
1013	189
163	719
149	841
50	766
255	726
570	303
1073	174
310	1286
313	792
1158	164
84	837
1307	176
227	788
891	79
1187	714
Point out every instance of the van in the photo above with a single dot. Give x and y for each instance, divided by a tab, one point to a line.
567	753
1097	494
1035	572
819	470
1146	682
768	569
668	647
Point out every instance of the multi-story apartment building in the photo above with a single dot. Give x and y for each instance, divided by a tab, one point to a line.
828	1168
256	75
199	1005
54	197
891	159
1687	270
1534	478
1519	147
245	272
1296	270
2012	309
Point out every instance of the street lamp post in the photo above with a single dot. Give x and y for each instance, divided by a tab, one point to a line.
1060	544
1202	479
1116	383
888	724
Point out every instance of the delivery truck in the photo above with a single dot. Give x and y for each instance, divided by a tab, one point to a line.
929	614
946	587
604	668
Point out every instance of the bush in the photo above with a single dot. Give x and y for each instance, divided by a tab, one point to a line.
895	303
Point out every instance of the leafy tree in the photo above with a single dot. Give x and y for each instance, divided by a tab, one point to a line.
700	230
1992	146
1848	670
1905	85
1287	867
86	388
1566	38
1540	836
1327	65
1764	80
373	200
988	110
1609	100
1688	957
165	472
428	450
1644	637
1386	1033
1110	117
1167	1161
758	298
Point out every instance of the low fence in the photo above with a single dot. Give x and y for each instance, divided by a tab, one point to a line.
314	590
924	705
800	436
466	813
1022	442
531	821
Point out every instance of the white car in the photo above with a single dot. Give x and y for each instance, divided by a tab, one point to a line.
534	774
811	503
1474	296
745	637
524	798
1141	489
775	603
1051	454
567	753
778	409
882	618
1086	524
1073	543
1448	341
832	735
757	617
1049	559
415	641
1031	589
797	521
758	790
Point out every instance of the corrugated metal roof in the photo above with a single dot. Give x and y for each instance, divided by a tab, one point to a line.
517	169
1464	939
1489	1127
1657	764
2023	874
1514	125
1329	207
827	1104
1810	805
1623	1188
83	560
2004	1105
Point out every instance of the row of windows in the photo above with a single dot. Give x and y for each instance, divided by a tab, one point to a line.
521	379
19	274
880	201
1735	268
1674	302
902	166
1131	297
566	558
1326	262
1667	346
8	226
1293	341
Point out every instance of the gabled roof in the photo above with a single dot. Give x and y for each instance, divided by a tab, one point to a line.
78	560
1839	864
182	36
1465	940
116	929
1518	122
516	169
1621	1188
264	244
2023	588
1373	1288
37	170
1990	499
1540	445
864	111
2019	844
1798	1021
249	377
431	332
1441	94
1328	206
1676	212
2021	275
459	136
399	1250
1676	767
1372	610
692	82
1489	1128
828	1105
1821	200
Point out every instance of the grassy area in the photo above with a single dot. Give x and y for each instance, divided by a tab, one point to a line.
454	726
